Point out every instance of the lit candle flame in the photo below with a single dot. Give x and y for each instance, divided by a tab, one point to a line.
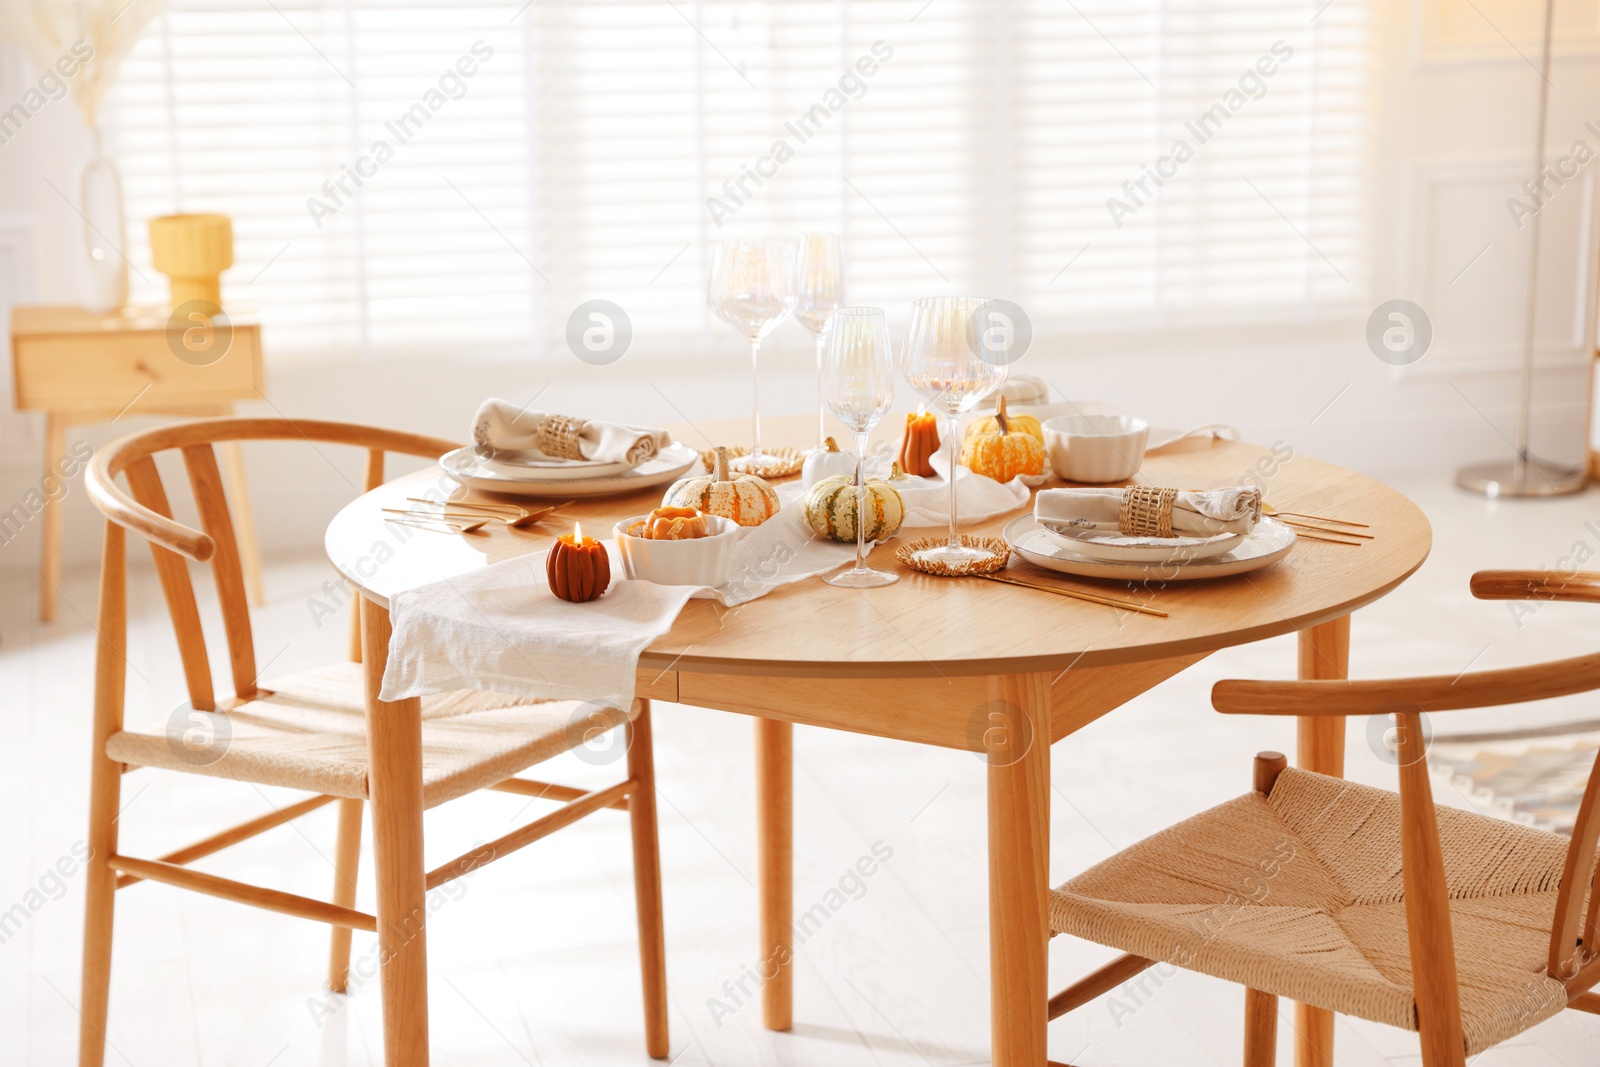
577	533
922	409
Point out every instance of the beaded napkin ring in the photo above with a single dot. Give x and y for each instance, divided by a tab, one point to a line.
1146	511
558	436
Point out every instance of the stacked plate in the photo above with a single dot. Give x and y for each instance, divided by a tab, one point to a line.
1103	554
533	473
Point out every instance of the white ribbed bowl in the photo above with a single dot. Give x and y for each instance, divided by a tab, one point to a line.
1096	449
696	561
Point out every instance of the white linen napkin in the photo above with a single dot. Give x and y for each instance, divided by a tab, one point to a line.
502	425
977	497
502	629
1194	514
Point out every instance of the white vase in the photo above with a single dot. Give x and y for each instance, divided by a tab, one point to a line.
104	229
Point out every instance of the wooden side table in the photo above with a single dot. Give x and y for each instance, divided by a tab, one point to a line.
81	367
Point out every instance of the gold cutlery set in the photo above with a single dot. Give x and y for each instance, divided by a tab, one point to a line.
466	517
1321	528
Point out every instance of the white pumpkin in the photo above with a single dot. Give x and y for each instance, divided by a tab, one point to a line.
827	462
745	498
831	508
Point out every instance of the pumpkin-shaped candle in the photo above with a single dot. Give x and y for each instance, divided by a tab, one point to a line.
577	567
920	442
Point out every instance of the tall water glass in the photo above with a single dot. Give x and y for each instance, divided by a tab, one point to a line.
944	360
821	293
858	381
752	287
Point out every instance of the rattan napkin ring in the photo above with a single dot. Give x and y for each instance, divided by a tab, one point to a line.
999	556
1146	511
558	436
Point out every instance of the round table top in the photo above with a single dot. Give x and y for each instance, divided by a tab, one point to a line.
925	626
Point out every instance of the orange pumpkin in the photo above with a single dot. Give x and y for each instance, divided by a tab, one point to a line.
1003	452
920	443
1028	424
577	568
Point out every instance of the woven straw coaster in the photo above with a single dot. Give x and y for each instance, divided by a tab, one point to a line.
999	556
775	462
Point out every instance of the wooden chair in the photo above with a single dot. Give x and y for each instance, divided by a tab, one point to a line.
1464	928
310	731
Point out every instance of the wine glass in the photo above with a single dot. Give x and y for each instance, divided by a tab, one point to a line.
945	361
821	289
752	287
858	380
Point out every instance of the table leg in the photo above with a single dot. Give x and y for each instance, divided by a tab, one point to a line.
394	745
775	847
244	522
55	446
1017	740
1324	653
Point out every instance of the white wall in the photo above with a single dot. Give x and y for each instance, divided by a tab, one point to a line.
1453	121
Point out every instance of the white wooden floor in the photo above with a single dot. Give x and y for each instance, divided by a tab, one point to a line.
533	960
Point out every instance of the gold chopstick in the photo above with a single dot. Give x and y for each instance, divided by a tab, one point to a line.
1092	598
1300	532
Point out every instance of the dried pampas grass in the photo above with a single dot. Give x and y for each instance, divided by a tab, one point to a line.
51	29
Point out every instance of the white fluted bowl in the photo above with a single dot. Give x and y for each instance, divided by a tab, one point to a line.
1096	449
695	561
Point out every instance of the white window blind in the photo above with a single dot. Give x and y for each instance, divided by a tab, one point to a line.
516	160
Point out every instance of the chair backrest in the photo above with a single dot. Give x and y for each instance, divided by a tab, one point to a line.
146	510
1574	954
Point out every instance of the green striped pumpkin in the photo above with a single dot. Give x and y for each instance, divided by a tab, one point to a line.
831	509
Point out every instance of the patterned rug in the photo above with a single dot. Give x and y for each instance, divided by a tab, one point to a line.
1532	777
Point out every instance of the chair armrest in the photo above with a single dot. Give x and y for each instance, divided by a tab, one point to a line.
1479	689
130	514
1536	585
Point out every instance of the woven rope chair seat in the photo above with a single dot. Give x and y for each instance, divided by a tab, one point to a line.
310	733
1301	895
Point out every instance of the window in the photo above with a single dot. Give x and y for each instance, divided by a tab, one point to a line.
458	177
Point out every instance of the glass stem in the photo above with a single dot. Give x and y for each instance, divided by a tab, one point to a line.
955	424
755	398
822	404
861	501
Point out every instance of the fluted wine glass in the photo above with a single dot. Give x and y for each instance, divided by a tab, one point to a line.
752	287
858	381
821	293
944	360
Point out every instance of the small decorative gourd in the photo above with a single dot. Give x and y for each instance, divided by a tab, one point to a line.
826	462
831	509
920	443
744	498
1002	452
577	568
1027	424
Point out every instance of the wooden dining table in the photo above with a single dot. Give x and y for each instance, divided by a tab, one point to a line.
959	663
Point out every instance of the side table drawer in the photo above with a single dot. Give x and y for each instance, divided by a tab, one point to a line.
64	373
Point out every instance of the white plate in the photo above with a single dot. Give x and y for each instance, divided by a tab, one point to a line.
669	465
529	466
535	465
1111	547
1265	545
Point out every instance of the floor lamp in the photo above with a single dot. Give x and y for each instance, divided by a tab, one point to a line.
1527	475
